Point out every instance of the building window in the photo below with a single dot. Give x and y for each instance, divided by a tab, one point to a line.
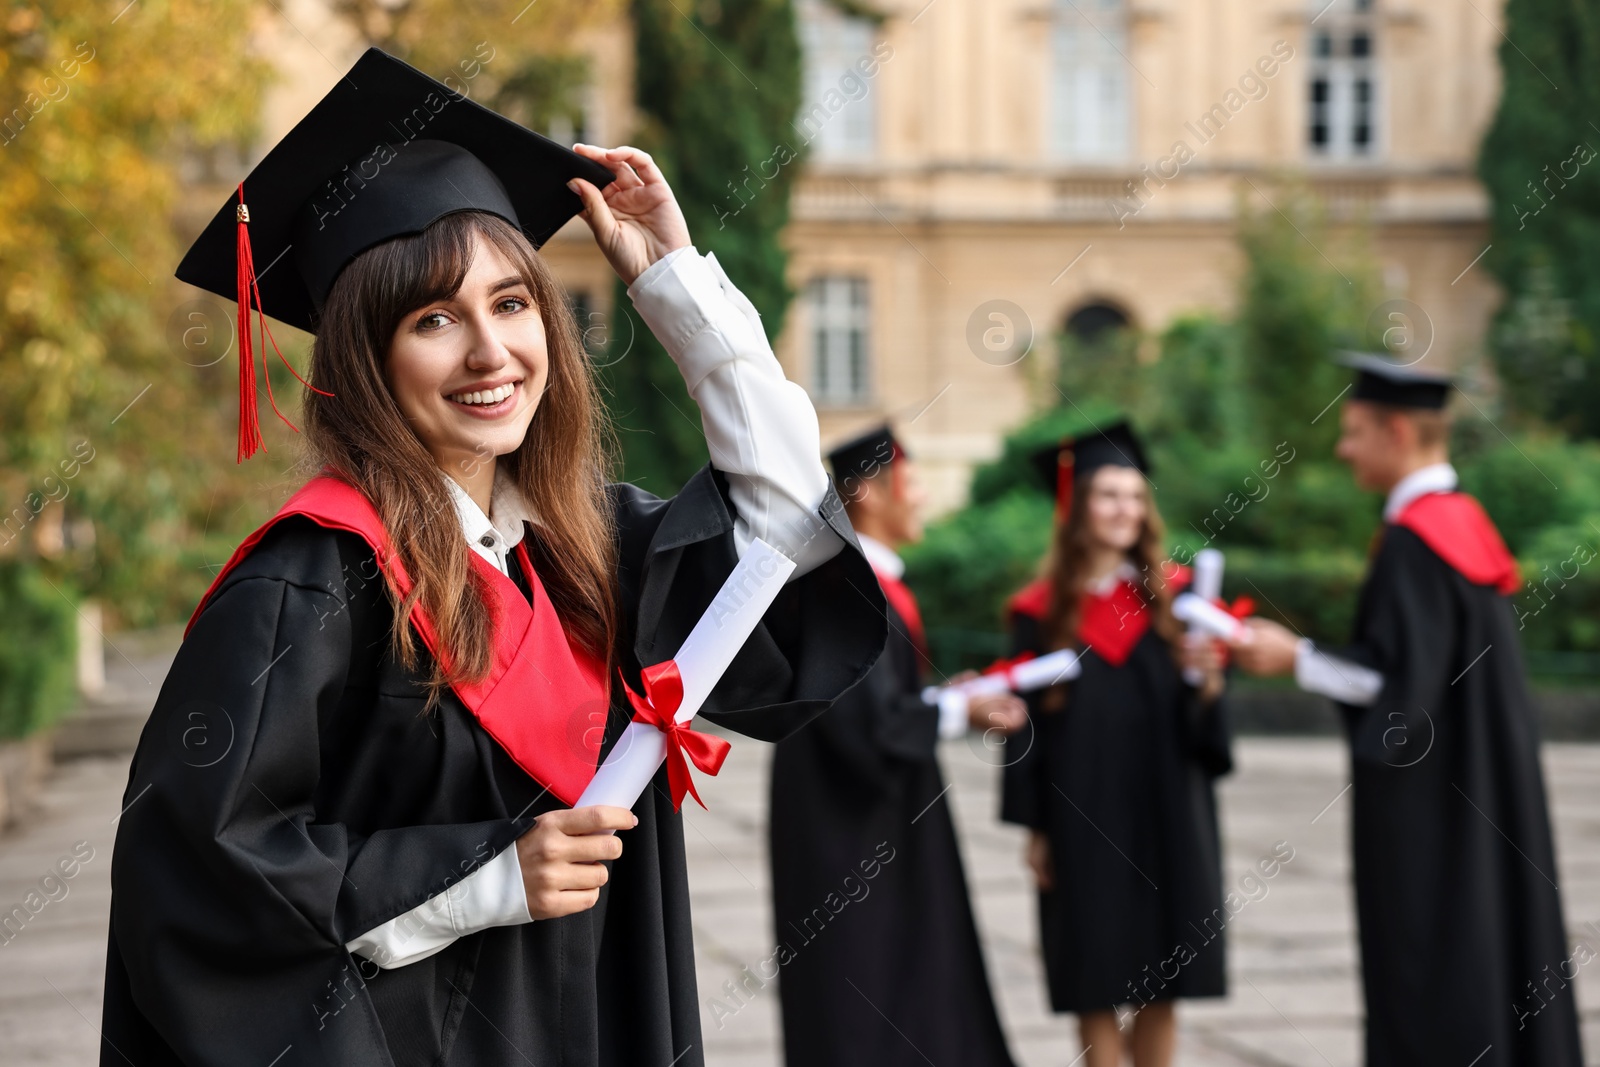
1342	118
1090	107
838	114
840	320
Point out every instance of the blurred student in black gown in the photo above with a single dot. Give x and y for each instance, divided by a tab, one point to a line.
1115	778
1463	952
878	955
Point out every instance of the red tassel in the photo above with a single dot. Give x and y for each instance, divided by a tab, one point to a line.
1064	484
249	290
249	429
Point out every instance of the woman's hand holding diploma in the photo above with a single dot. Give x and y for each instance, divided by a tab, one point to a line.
1202	654
563	858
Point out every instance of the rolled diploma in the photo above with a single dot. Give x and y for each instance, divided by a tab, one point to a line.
744	598
1207	586
1037	673
1206	617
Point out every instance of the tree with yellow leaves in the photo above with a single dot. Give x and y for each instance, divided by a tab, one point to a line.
98	111
122	127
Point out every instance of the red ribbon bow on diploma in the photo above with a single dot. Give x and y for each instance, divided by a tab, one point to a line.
1008	667
658	707
1242	608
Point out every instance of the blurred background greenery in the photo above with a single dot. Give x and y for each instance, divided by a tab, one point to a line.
117	412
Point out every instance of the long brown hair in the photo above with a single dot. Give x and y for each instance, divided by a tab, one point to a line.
560	467
1066	569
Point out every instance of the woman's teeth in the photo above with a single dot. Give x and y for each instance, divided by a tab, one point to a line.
486	396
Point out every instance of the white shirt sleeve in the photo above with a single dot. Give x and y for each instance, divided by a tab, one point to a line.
492	895
760	428
1339	679
952	713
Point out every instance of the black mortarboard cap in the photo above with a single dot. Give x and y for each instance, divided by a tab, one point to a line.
865	455
1060	464
385	154
1384	382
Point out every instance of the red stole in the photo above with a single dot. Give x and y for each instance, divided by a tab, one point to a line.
900	597
1456	527
544	699
1110	623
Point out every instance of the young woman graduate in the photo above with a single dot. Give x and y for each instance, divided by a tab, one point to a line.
874	927
1465	957
347	836
1115	778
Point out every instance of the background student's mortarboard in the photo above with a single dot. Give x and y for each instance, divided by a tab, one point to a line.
864	455
1060	464
1383	381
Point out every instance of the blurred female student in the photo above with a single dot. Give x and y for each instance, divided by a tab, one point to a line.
1114	780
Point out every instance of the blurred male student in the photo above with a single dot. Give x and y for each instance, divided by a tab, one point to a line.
879	958
1463	951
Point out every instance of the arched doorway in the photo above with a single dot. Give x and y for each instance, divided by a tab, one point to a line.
1092	321
1096	355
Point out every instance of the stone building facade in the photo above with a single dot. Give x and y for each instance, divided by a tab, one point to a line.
980	171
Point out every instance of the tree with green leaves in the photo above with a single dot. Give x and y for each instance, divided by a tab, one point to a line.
717	87
513	56
1297	307
1540	162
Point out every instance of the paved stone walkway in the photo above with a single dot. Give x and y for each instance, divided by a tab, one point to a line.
1294	1000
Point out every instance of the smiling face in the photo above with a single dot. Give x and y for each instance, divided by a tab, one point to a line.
468	370
1115	507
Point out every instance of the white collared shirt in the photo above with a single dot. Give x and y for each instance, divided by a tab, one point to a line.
1350	683
495	535
1434	478
1122	572
761	431
881	557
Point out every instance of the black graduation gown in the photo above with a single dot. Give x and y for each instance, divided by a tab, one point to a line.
1463	951
1120	779
876	953
288	794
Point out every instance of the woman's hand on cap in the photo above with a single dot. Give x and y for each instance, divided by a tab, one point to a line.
635	219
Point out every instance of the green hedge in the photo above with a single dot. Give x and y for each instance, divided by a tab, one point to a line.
1296	541
38	651
963	580
967	567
